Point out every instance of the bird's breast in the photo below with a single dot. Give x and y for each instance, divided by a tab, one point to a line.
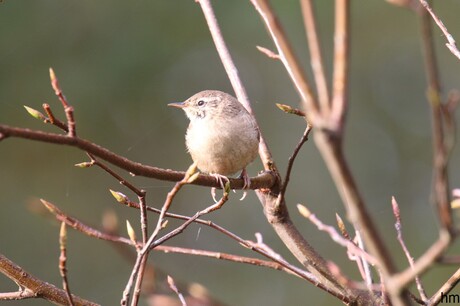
222	146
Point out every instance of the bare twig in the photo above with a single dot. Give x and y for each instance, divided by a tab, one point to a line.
142	255
63	262
68	109
316	58
268	52
449	259
363	264
336	237
341	54
445	289
173	287
21	294
53	120
440	158
287	56
75	224
402	279
303	139
451	44
184	225
410	259
291	110
40	289
138	269
138	284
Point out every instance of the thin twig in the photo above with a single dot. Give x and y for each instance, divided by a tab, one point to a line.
341	59
445	289
63	262
402	279
240	240
336	237
440	159
362	263
68	109
184	225
92	232
52	119
173	287
268	52
410	259
316	57
76	224
89	231
449	260
22	294
451	44
287	56
138	269
139	279
291	160
119	178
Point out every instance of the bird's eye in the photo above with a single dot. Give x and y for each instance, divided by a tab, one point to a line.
200	103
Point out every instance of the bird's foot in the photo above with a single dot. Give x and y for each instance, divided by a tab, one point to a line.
220	179
247	182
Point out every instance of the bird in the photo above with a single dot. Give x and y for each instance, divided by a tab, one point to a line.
222	137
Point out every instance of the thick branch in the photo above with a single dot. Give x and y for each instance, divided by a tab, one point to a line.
41	289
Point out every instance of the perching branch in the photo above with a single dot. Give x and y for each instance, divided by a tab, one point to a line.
264	180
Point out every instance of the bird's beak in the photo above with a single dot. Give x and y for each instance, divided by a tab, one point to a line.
178	104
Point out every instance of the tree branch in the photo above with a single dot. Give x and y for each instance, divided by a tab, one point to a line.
264	180
440	189
40	289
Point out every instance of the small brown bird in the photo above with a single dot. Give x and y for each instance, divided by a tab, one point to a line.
222	137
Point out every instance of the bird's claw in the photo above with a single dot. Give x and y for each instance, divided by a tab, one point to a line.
220	179
247	183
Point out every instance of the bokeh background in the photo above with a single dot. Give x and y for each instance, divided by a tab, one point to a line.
119	64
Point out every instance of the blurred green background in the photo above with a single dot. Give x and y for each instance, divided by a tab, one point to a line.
119	64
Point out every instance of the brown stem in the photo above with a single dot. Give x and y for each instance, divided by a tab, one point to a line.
445	289
316	57
264	180
340	73
287	56
275	211
441	194
451	44
402	279
63	262
40	288
292	159
331	152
